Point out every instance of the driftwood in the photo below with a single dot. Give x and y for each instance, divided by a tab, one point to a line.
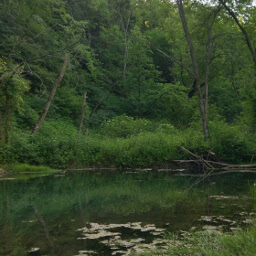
214	168
205	163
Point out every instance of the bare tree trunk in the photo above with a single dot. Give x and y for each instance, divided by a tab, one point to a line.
1	135
83	113
125	28
206	88
247	39
207	71
125	59
195	68
139	95
52	94
6	119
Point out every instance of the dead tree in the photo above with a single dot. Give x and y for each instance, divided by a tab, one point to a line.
51	96
202	97
195	68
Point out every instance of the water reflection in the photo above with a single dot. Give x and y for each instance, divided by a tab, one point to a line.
78	213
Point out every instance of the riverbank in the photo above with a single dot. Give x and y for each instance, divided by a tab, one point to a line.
18	168
25	171
62	149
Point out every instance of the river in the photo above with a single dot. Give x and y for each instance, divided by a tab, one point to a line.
115	213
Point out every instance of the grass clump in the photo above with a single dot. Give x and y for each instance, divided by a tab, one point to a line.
30	168
205	243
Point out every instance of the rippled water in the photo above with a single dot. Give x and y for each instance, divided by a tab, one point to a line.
112	213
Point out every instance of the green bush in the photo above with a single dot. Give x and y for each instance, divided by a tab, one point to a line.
30	168
146	149
230	143
123	126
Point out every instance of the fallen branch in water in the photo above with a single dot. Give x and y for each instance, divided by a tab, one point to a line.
215	165
205	162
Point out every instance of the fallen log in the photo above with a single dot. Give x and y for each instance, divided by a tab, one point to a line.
216	165
205	162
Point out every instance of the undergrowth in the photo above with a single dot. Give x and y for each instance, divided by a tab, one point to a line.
58	145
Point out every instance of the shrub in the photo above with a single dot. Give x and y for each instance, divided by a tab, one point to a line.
230	143
123	126
58	145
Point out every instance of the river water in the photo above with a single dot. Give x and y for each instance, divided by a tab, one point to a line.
113	213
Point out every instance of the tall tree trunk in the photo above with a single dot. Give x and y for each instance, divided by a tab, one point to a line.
125	28
139	95
247	39
195	68
6	119
207	71
51	97
83	113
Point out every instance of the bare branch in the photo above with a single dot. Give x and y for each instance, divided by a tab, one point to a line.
247	39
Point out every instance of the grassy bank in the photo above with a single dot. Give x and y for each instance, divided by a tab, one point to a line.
204	243
126	143
18	168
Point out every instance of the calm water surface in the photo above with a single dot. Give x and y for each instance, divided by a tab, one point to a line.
101	213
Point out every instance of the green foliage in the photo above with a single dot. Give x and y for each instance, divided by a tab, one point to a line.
4	158
230	143
169	101
132	59
29	168
123	126
148	149
212	244
127	142
226	99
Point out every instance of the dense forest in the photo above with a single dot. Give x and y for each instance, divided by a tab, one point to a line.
126	82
